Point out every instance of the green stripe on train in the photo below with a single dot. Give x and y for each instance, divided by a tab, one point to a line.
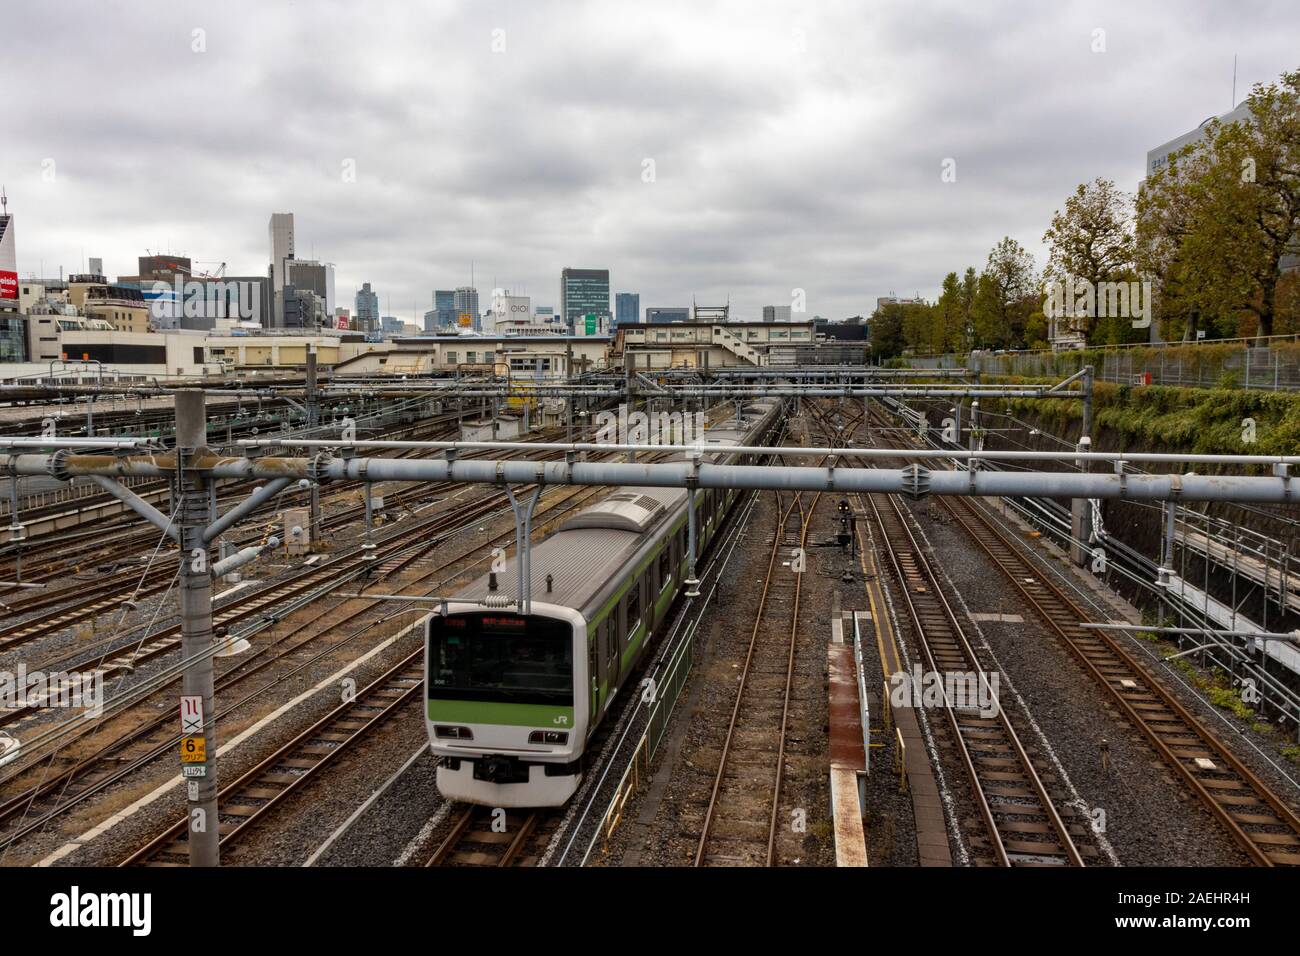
490	712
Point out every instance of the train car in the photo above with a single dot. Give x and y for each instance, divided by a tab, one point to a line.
512	699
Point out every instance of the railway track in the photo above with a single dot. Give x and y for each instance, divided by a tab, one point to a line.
253	794
249	604
51	562
753	750
485	836
1261	823
1026	823
60	790
1265	827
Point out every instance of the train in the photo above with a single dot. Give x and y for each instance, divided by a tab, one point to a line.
511	699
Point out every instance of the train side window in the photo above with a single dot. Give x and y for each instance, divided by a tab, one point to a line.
665	566
633	607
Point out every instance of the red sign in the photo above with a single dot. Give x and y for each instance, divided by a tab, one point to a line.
8	285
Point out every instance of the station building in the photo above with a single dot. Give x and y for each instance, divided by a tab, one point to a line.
534	357
708	344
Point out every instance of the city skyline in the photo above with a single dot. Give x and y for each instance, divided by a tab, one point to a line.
804	151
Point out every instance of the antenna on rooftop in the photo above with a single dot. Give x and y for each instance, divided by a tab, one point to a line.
4	202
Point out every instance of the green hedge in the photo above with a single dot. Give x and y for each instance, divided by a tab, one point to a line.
1199	420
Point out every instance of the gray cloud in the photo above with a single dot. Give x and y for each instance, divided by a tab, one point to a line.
796	145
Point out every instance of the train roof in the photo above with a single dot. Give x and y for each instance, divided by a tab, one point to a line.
590	547
579	561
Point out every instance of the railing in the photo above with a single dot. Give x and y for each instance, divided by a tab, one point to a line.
864	713
1235	363
70	491
661	696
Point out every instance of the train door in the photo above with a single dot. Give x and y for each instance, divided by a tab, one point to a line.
610	630
593	672
665	564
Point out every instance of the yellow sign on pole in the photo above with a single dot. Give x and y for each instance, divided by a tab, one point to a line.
194	750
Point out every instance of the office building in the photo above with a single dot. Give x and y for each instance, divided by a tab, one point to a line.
13	337
660	315
776	313
627	308
305	309
178	299
280	234
122	306
443	313
8	256
465	304
584	291
367	309
885	300
1157	158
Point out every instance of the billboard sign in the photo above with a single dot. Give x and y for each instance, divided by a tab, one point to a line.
465	320
8	284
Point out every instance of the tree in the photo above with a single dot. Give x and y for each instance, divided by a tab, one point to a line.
886	332
1005	296
1246	204
1092	240
1164	222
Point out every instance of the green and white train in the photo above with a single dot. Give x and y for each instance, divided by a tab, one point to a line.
512	700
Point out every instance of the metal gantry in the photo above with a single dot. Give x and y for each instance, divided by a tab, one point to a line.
194	469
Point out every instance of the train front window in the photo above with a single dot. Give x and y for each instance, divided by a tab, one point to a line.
505	658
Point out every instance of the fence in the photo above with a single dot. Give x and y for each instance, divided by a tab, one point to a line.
1239	364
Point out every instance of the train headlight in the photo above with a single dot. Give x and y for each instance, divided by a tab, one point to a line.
453	733
549	737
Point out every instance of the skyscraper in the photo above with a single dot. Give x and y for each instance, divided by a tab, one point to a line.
367	309
8	256
627	307
583	292
465	303
280	233
444	309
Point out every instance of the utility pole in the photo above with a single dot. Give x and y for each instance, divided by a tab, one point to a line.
1081	508
15	529
198	749
313	420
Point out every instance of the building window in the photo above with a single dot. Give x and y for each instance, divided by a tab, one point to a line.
451	358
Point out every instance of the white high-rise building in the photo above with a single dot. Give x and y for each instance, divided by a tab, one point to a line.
329	289
1158	157
280	232
509	313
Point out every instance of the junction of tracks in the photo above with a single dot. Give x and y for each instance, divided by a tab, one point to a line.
897	648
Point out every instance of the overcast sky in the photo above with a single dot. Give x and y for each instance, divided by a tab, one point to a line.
794	146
